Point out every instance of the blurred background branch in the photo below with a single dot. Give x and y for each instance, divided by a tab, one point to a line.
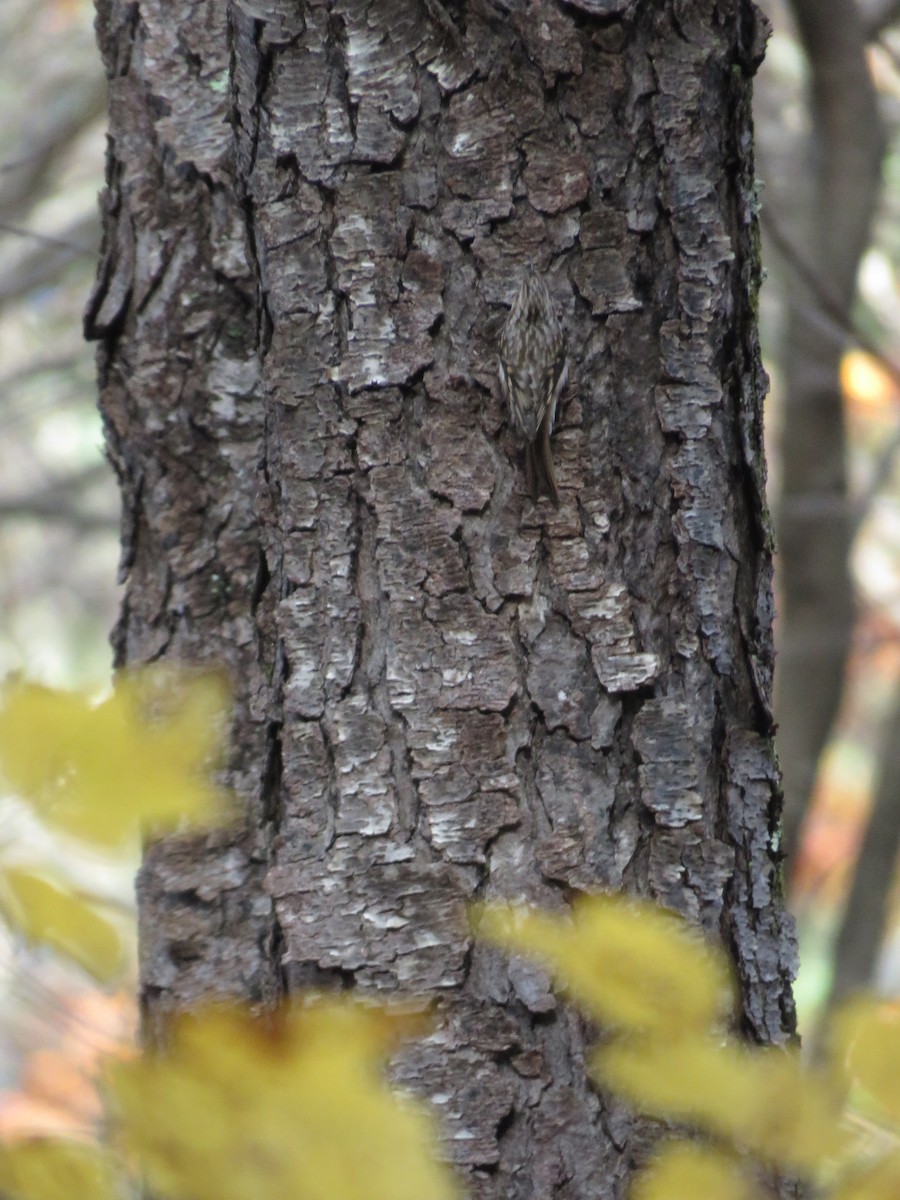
58	500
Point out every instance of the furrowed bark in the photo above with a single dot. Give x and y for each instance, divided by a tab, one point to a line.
315	219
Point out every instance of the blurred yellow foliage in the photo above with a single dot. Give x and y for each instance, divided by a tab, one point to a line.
683	1171
55	1169
662	994
289	1106
865	1042
878	1182
292	1105
623	961
139	759
760	1099
52	914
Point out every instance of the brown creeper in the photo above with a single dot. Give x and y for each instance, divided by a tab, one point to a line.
533	373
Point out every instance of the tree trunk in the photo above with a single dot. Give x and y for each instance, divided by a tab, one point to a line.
316	218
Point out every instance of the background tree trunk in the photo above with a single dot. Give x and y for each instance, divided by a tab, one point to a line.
815	525
315	219
867	914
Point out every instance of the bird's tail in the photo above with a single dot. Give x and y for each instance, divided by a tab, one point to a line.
539	473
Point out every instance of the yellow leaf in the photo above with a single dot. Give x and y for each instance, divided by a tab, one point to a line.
760	1099
141	757
44	912
623	961
865	1039
879	1182
682	1171
287	1107
51	1169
